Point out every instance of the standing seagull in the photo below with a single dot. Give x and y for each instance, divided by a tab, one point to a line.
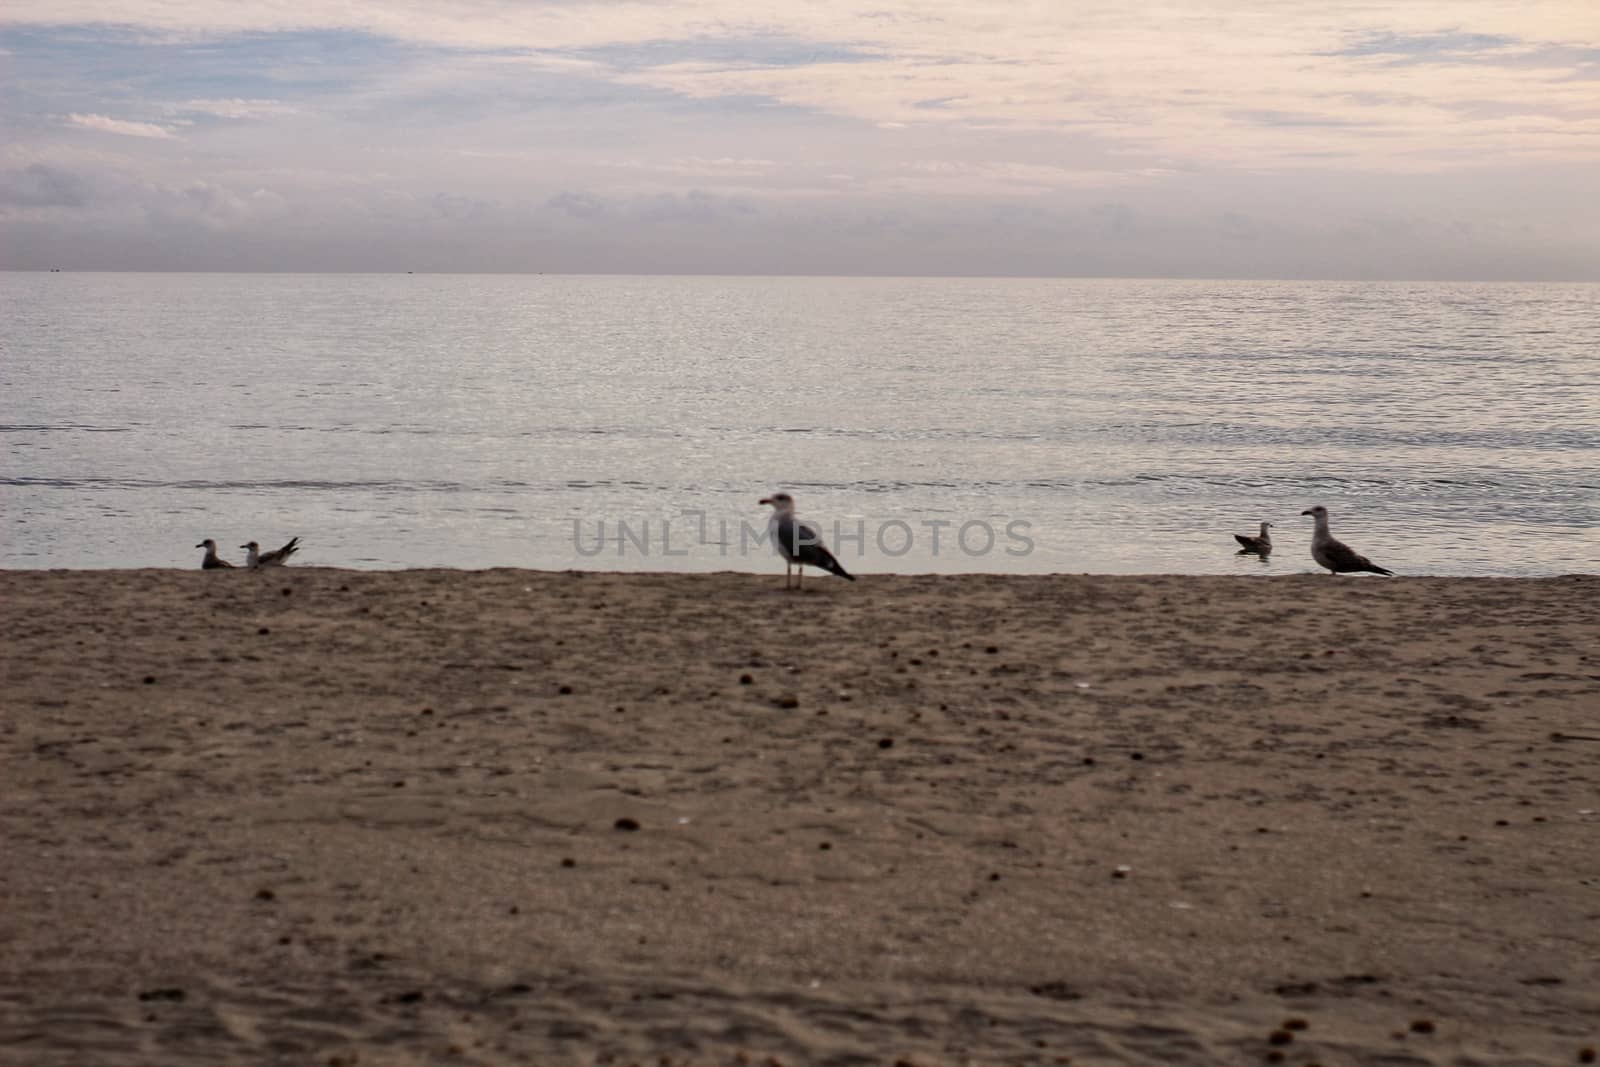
212	562
276	558
1261	546
1334	554
798	542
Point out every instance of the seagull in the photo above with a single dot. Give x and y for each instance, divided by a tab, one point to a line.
798	542
1334	554
1261	546
212	562
276	558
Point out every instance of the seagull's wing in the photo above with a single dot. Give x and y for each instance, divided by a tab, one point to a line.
800	542
813	552
1347	560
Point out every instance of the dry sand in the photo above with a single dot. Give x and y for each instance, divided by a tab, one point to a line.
328	817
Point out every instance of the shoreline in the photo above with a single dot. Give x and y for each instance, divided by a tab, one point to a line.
762	569
492	816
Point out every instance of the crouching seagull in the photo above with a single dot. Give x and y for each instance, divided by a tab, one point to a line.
212	562
1261	546
798	542
276	558
1334	554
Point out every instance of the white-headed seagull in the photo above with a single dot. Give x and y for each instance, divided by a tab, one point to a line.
1334	554
798	542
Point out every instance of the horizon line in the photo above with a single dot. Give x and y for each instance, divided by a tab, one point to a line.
1021	276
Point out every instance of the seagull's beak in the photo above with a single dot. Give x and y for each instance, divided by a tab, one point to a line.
244	546
764	500
1307	511
202	544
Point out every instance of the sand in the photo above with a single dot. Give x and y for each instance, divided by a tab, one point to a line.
314	816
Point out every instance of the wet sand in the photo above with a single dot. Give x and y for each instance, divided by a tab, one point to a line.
315	816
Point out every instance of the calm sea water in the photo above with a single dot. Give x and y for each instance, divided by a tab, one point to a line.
633	422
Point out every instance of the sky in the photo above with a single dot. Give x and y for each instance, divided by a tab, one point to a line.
1453	140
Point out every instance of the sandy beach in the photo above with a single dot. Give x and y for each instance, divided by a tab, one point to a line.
316	816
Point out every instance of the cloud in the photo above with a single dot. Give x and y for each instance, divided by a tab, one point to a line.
579	205
1215	229
1289	118
724	52
754	128
211	206
1428	47
235	108
41	185
1211	84
696	207
120	126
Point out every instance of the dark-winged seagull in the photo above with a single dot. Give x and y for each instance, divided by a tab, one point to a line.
276	558
212	562
798	542
1261	546
1334	554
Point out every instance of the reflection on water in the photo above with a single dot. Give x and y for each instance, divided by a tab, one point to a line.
1130	426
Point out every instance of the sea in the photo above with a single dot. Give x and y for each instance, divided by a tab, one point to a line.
923	425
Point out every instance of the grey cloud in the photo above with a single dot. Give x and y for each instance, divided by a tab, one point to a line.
1240	227
694	206
579	205
725	52
1193	226
1287	118
458	208
1502	109
1584	63
1479	49
40	185
1115	218
1426	47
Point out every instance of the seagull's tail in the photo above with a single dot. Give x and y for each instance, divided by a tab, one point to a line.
832	566
1375	569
